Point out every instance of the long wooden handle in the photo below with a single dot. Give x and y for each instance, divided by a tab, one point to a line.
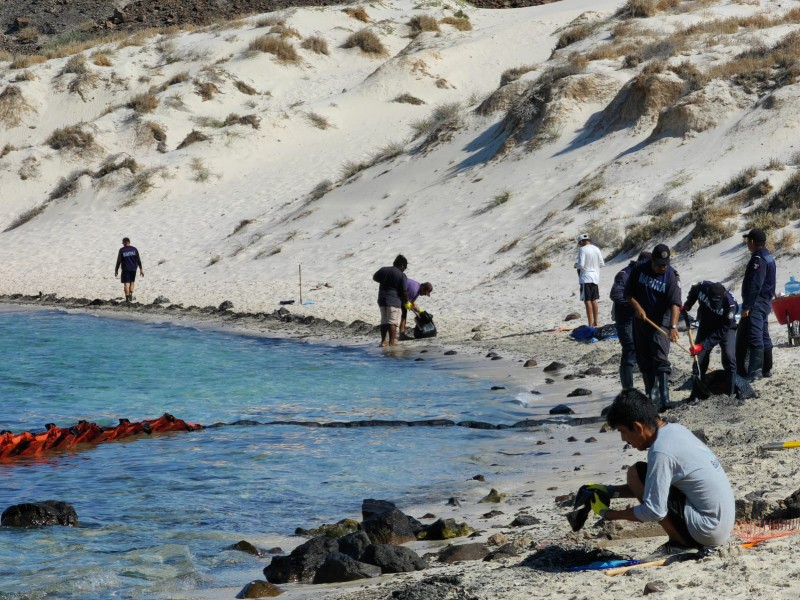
621	570
666	334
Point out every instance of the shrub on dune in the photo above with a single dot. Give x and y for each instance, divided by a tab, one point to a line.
357	12
420	23
462	24
277	46
316	44
143	103
71	137
367	41
13	106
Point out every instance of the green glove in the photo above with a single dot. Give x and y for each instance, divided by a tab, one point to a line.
596	495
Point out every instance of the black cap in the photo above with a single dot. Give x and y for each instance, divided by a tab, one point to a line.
717	290
661	254
756	235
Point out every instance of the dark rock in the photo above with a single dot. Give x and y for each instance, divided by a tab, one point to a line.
492	513
428	516
540	443
576	454
572	438
393	559
161	300
498	387
419	359
579	392
591	440
38	514
453	501
259	589
572	316
302	564
592	371
247	547
606	410
354	544
444	529
477	337
450	353
455	553
491	354
524	521
226	305
561	409
504	551
371	507
531	362
554	366
655	587
96	302
275	550
492	496
479	478
569	377
336	530
549	380
340	567
389	528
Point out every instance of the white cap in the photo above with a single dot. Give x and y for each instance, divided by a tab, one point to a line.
582	237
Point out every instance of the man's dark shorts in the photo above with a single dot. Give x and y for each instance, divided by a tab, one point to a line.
128	276
676	502
590	291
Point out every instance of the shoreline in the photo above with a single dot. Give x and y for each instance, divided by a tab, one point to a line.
733	433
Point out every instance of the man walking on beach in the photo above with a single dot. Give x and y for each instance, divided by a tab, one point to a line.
392	296
654	292
414	289
590	259
758	289
128	258
682	485
717	315
622	315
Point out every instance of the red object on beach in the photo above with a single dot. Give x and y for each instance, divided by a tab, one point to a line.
787	311
82	434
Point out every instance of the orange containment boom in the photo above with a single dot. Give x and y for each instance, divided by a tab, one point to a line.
55	438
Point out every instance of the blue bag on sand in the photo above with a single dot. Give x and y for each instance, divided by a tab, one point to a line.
583	332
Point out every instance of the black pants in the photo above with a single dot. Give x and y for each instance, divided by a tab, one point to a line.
652	349
625	335
726	339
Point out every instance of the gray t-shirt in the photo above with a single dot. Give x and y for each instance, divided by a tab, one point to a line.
678	458
392	286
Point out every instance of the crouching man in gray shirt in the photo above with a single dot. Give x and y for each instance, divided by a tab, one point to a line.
681	486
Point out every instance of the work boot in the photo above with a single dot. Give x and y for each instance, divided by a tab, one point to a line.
756	364
626	377
662	379
766	370
649	380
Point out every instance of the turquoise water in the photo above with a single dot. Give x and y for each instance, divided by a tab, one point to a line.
156	513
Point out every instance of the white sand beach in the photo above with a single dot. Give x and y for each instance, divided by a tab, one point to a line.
479	151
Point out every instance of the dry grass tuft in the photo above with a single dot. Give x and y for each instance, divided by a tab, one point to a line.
574	34
13	107
277	46
6	150
498	200
440	126
27	35
193	137
788	196
318	120
743	179
71	137
205	89
25	61
101	59
357	12
117	162
420	23
712	222
462	24
244	88
143	182
270	21
68	186
253	121
181	77
26	216
367	41
77	65
149	132
316	44
24	76
408	99
322	188
283	31
143	103
536	259
515	73
201	172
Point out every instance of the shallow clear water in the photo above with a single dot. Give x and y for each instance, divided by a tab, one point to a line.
157	512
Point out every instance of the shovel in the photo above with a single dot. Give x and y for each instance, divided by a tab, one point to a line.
780	445
697	380
666	334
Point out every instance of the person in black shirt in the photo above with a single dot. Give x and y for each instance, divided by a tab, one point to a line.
622	315
128	258
654	291
392	297
716	312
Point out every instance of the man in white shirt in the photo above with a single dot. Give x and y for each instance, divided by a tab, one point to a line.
590	259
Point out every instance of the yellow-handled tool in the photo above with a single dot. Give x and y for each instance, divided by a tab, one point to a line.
781	445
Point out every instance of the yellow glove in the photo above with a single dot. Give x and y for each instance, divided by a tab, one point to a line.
407	306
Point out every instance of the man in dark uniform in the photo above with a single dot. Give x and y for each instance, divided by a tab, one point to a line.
392	296
654	292
622	315
717	315
128	258
758	289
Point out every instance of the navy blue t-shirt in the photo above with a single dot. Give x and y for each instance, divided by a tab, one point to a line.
392	286
655	293
128	257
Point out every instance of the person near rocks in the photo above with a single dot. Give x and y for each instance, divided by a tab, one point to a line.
392	296
682	486
716	312
758	289
414	289
128	258
654	292
590	259
622	315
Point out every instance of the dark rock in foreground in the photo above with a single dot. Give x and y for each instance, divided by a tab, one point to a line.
303	563
340	567
38	514
454	553
259	589
393	559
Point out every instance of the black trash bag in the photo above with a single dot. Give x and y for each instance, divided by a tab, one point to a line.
718	383
424	327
